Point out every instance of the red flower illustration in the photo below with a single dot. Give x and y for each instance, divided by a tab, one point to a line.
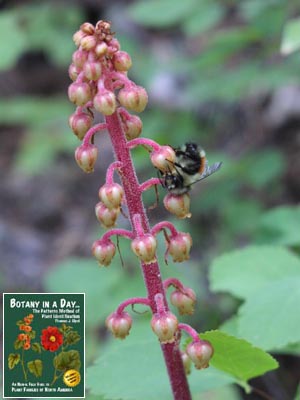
51	338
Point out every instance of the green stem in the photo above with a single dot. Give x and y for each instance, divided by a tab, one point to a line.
23	366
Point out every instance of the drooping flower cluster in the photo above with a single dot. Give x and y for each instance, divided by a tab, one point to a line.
100	84
25	338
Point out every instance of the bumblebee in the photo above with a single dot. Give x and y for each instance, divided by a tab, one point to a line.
190	166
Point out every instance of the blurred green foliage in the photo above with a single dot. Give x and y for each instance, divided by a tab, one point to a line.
40	25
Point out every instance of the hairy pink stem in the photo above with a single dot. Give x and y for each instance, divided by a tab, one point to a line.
159	300
188	329
92	131
173	282
164	225
117	232
151	271
131	302
143	142
110	172
149	183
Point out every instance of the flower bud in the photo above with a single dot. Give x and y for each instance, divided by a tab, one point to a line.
88	42
164	325
26	345
111	195
102	27
105	102
79	93
119	324
122	61
103	251
186	363
80	123
135	98
144	247
163	159
180	246
178	205
92	70
101	49
86	156
79	57
78	36
73	72
185	302
106	216
87	28
200	353
22	336
132	127
114	46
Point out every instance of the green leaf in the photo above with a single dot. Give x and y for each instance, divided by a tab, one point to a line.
18	344
238	357
71	338
35	367
281	226
270	317
13	360
243	272
161	13
67	360
36	347
147	370
291	37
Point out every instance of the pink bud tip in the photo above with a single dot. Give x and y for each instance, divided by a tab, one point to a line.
111	195
144	247
164	325
105	102
134	98
86	156
106	216
178	205
163	159
92	70
79	58
119	324
185	302
132	126
180	246
104	251
80	123
200	353
122	61
79	93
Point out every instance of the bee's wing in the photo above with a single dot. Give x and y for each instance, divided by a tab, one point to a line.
209	170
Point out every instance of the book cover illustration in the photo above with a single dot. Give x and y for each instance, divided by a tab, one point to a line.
43	345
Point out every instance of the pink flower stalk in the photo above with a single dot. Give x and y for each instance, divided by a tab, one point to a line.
100	84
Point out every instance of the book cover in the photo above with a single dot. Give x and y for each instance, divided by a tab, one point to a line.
43	345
